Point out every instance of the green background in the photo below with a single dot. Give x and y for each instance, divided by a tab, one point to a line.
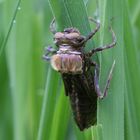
33	105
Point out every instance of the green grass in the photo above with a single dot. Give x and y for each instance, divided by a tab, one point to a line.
33	104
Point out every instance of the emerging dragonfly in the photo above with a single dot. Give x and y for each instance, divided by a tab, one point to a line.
79	73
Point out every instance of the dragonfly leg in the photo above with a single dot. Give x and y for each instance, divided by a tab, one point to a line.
96	81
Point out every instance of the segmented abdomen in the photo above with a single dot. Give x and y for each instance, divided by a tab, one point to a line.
83	98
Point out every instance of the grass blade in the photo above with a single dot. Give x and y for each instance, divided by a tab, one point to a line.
10	28
110	113
73	14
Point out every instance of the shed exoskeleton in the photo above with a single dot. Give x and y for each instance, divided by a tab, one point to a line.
80	80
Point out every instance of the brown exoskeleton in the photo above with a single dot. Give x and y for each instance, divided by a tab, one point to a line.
81	84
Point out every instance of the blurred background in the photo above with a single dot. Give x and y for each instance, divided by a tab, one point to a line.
33	105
